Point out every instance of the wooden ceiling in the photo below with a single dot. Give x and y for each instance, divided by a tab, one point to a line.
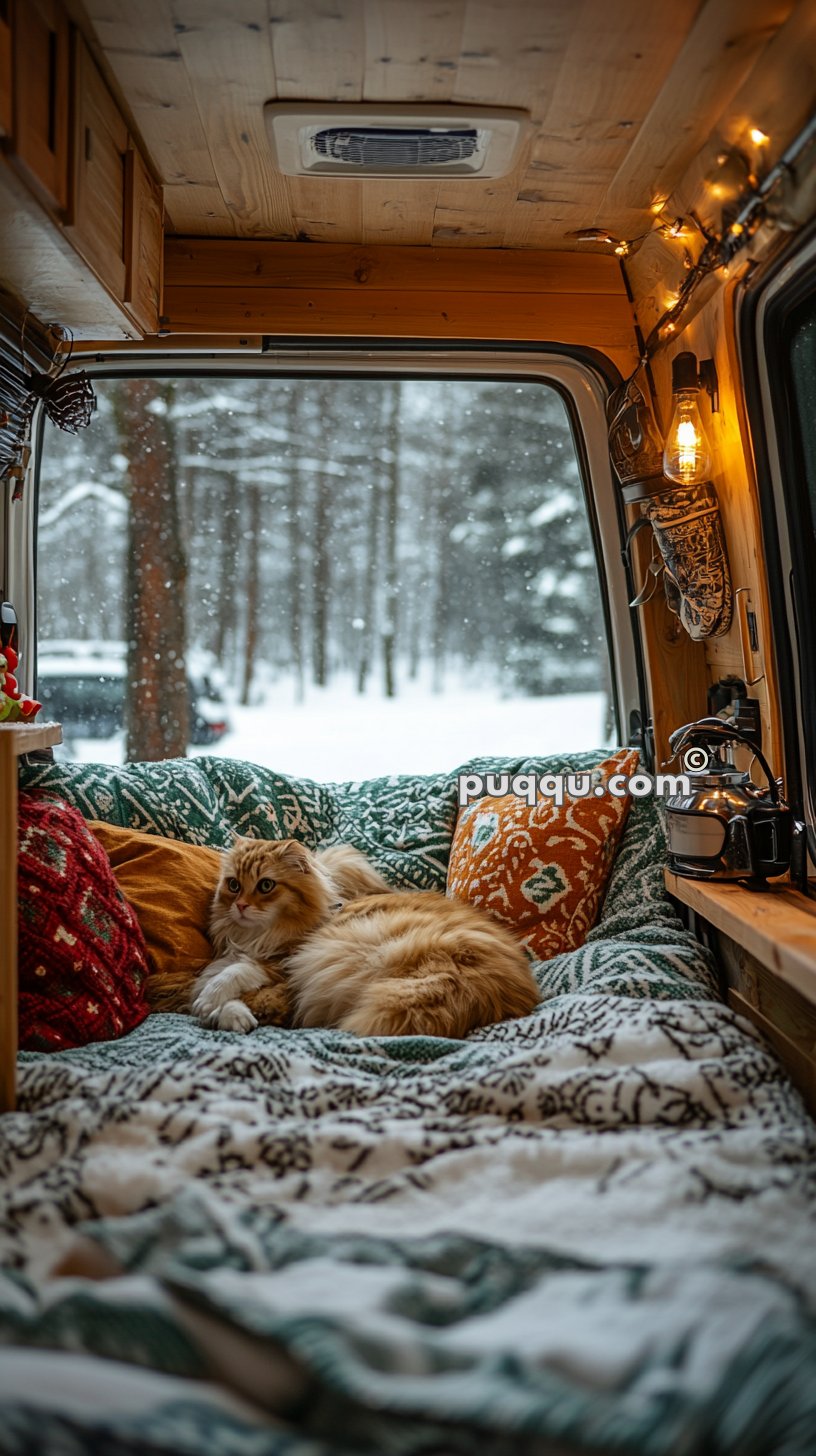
623	95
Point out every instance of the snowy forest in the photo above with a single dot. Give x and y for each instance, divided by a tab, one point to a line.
293	531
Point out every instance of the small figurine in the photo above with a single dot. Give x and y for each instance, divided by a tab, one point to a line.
15	707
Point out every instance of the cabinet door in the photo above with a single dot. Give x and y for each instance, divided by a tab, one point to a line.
39	145
96	220
144	240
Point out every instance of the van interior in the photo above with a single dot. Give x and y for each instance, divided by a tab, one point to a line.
408	442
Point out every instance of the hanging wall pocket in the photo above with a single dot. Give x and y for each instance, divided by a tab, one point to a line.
690	548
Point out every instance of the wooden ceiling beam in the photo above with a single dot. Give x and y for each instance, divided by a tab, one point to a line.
247	264
238	287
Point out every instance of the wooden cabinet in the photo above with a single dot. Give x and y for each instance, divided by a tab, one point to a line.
96	215
144	243
39	112
92	233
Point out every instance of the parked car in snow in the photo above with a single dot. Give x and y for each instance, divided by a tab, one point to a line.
83	685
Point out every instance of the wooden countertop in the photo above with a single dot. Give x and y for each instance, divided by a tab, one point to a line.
776	924
29	737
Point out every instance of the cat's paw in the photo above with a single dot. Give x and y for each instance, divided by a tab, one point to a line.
235	1016
215	992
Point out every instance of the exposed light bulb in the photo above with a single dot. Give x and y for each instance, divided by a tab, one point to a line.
674	229
759	137
687	458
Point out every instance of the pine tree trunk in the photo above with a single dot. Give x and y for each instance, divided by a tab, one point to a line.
321	583
369	586
157	709
389	634
295	585
252	592
223	638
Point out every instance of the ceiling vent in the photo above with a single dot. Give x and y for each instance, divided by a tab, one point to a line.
371	140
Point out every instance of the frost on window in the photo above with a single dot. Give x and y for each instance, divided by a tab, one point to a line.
335	578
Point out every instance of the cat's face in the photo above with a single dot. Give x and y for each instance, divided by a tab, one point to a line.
259	877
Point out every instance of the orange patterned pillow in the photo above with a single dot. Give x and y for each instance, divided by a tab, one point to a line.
541	869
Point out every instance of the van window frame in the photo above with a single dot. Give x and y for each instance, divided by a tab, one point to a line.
583	380
771	298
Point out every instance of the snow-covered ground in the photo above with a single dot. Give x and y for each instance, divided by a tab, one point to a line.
335	734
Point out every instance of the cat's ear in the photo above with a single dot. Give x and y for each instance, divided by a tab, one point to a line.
297	855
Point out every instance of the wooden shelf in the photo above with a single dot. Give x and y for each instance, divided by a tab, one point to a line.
777	925
15	740
29	737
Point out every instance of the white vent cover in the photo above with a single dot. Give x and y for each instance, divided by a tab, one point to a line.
373	140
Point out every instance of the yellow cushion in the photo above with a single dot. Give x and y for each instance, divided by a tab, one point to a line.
170	886
541	869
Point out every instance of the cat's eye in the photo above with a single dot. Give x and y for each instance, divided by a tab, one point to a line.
233	885
264	886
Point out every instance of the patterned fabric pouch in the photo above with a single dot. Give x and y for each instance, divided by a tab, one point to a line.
635	445
688	530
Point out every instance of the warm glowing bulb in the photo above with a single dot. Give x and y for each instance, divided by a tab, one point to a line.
758	137
687	458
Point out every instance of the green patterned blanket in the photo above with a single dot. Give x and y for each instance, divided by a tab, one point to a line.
587	1230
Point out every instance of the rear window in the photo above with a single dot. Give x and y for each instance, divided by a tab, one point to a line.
333	577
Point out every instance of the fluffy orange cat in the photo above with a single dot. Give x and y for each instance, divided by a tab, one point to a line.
318	939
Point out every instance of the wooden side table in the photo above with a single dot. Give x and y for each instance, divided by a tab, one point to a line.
15	740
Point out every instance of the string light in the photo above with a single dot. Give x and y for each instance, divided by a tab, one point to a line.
674	229
735	182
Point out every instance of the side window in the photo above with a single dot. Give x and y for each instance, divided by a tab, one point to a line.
800	493
335	577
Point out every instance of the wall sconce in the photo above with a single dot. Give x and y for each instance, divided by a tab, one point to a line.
687	456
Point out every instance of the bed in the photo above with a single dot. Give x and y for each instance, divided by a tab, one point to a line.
588	1230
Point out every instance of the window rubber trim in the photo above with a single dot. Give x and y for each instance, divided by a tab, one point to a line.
287	353
800	777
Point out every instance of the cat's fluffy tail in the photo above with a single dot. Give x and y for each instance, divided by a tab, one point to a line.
436	1000
351	873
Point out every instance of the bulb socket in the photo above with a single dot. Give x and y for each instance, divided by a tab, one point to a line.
684	372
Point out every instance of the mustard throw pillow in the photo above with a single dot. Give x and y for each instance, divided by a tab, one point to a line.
170	886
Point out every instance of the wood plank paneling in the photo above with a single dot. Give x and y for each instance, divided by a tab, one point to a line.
320	55
209	263
140	43
227	56
410	61
196	208
241	287
592	75
596	321
718	55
